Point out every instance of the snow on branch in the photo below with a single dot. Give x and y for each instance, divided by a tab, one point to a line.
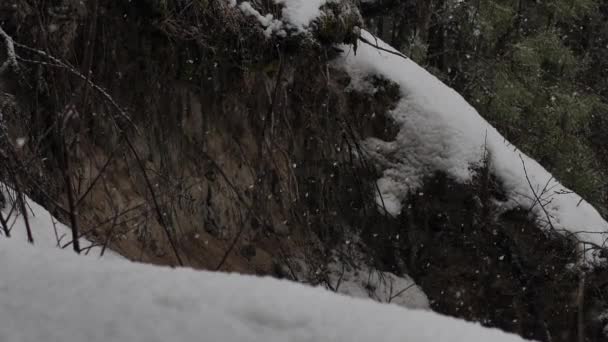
11	60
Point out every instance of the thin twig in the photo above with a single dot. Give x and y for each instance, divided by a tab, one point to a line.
70	192
401	292
580	299
4	224
59	64
159	213
535	195
382	49
232	245
94	181
11	60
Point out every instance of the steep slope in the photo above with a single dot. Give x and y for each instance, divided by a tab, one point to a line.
234	135
440	131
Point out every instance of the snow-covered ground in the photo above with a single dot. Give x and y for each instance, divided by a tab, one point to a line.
52	295
383	287
49	294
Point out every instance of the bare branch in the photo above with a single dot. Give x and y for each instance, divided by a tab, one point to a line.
4	224
376	46
11	61
538	199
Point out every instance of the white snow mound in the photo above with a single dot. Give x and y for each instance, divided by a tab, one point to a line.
440	131
53	295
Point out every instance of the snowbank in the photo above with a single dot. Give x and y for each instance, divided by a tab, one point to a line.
53	295
439	130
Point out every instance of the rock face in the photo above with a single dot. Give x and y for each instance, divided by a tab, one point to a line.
198	140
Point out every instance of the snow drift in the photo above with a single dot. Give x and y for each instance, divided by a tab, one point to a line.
52	295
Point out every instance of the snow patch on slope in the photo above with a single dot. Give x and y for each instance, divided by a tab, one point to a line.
383	287
53	295
439	130
46	230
